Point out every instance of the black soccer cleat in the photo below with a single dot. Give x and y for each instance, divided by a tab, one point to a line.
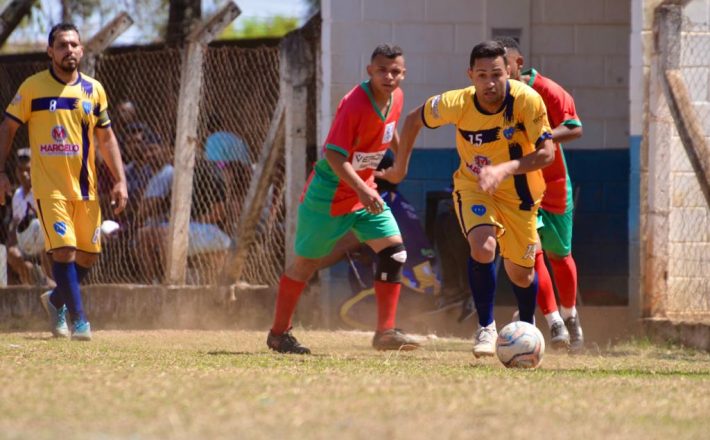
576	336
394	339
286	343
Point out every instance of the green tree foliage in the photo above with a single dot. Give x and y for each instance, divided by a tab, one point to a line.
255	28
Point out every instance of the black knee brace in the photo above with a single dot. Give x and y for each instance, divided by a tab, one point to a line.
389	263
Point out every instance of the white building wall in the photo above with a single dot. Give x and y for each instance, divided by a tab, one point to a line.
582	44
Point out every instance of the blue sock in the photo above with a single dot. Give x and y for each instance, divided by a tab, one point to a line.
482	280
65	275
527	299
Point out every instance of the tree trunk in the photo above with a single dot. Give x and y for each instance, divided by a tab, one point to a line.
66	11
183	14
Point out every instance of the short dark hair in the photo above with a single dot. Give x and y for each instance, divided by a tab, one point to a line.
61	27
390	51
488	49
509	43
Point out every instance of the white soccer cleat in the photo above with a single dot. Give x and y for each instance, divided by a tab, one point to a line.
484	341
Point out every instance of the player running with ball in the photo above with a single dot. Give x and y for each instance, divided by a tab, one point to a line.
341	196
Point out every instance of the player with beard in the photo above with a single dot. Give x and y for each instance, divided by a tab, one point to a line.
65	111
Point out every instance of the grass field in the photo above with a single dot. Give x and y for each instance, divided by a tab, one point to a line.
193	384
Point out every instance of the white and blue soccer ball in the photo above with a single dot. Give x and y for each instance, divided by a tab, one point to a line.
520	345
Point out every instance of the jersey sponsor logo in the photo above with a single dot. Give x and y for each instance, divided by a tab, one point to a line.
389	133
478	163
362	161
16	100
529	252
435	106
60	228
480	137
97	236
86	105
59	148
59	133
479	210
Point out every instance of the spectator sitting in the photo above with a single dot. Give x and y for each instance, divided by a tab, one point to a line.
25	252
207	243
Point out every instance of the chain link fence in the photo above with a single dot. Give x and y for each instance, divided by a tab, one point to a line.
241	89
678	240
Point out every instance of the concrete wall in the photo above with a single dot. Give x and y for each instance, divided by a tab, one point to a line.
582	44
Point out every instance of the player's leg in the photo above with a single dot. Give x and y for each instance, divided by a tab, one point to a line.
559	336
517	246
476	213
381	233
60	242
558	247
316	235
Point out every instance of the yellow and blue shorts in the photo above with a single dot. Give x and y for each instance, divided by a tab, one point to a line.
70	223
516	228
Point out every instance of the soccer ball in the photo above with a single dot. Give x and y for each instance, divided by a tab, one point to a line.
520	345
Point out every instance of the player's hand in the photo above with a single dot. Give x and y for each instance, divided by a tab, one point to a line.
391	174
119	197
372	201
490	177
5	188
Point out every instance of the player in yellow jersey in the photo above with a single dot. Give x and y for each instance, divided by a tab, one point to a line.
503	139
65	111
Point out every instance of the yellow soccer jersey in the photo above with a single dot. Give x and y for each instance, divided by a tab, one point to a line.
61	119
483	138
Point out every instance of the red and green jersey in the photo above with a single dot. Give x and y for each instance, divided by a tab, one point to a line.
560	111
361	133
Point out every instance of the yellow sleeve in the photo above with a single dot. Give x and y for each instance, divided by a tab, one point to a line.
20	107
103	118
443	109
535	118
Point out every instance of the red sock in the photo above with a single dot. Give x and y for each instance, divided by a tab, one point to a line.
545	293
387	295
289	292
565	273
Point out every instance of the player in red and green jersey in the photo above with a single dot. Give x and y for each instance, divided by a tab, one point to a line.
341	196
65	111
556	212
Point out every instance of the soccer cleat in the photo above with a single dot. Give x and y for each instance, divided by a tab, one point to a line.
559	336
57	317
484	341
82	331
394	339
576	336
286	343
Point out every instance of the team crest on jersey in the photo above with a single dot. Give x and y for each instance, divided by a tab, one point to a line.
86	105
389	133
479	210
60	228
362	161
59	134
509	132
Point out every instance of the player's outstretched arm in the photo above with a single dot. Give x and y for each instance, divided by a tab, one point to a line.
412	125
491	176
369	197
112	156
564	133
8	128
